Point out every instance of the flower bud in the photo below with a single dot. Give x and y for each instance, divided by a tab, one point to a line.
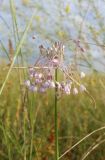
52	84
55	61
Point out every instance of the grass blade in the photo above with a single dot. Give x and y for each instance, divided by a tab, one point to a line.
17	52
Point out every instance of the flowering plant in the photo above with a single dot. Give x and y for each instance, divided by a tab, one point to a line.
42	74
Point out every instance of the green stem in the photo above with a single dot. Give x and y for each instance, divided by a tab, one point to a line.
24	134
31	145
56	121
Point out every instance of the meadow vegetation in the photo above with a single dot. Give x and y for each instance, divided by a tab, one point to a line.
27	120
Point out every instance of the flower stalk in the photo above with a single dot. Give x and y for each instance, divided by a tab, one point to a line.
56	119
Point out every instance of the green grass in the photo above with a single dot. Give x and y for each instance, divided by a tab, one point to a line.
19	43
27	121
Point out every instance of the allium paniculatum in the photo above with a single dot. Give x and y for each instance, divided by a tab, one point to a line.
42	74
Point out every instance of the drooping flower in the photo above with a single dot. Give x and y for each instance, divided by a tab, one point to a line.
40	75
46	84
55	61
33	88
62	86
38	81
31	72
67	89
82	88
27	83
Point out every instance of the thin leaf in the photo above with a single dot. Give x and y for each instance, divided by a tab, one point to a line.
17	52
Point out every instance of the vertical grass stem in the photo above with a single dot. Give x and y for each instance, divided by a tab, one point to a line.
56	120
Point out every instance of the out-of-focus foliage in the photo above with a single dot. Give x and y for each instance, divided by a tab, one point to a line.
58	20
77	116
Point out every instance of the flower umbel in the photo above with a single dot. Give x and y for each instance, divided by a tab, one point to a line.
41	75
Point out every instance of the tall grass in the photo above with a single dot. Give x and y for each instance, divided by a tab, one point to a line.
27	129
17	49
56	119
